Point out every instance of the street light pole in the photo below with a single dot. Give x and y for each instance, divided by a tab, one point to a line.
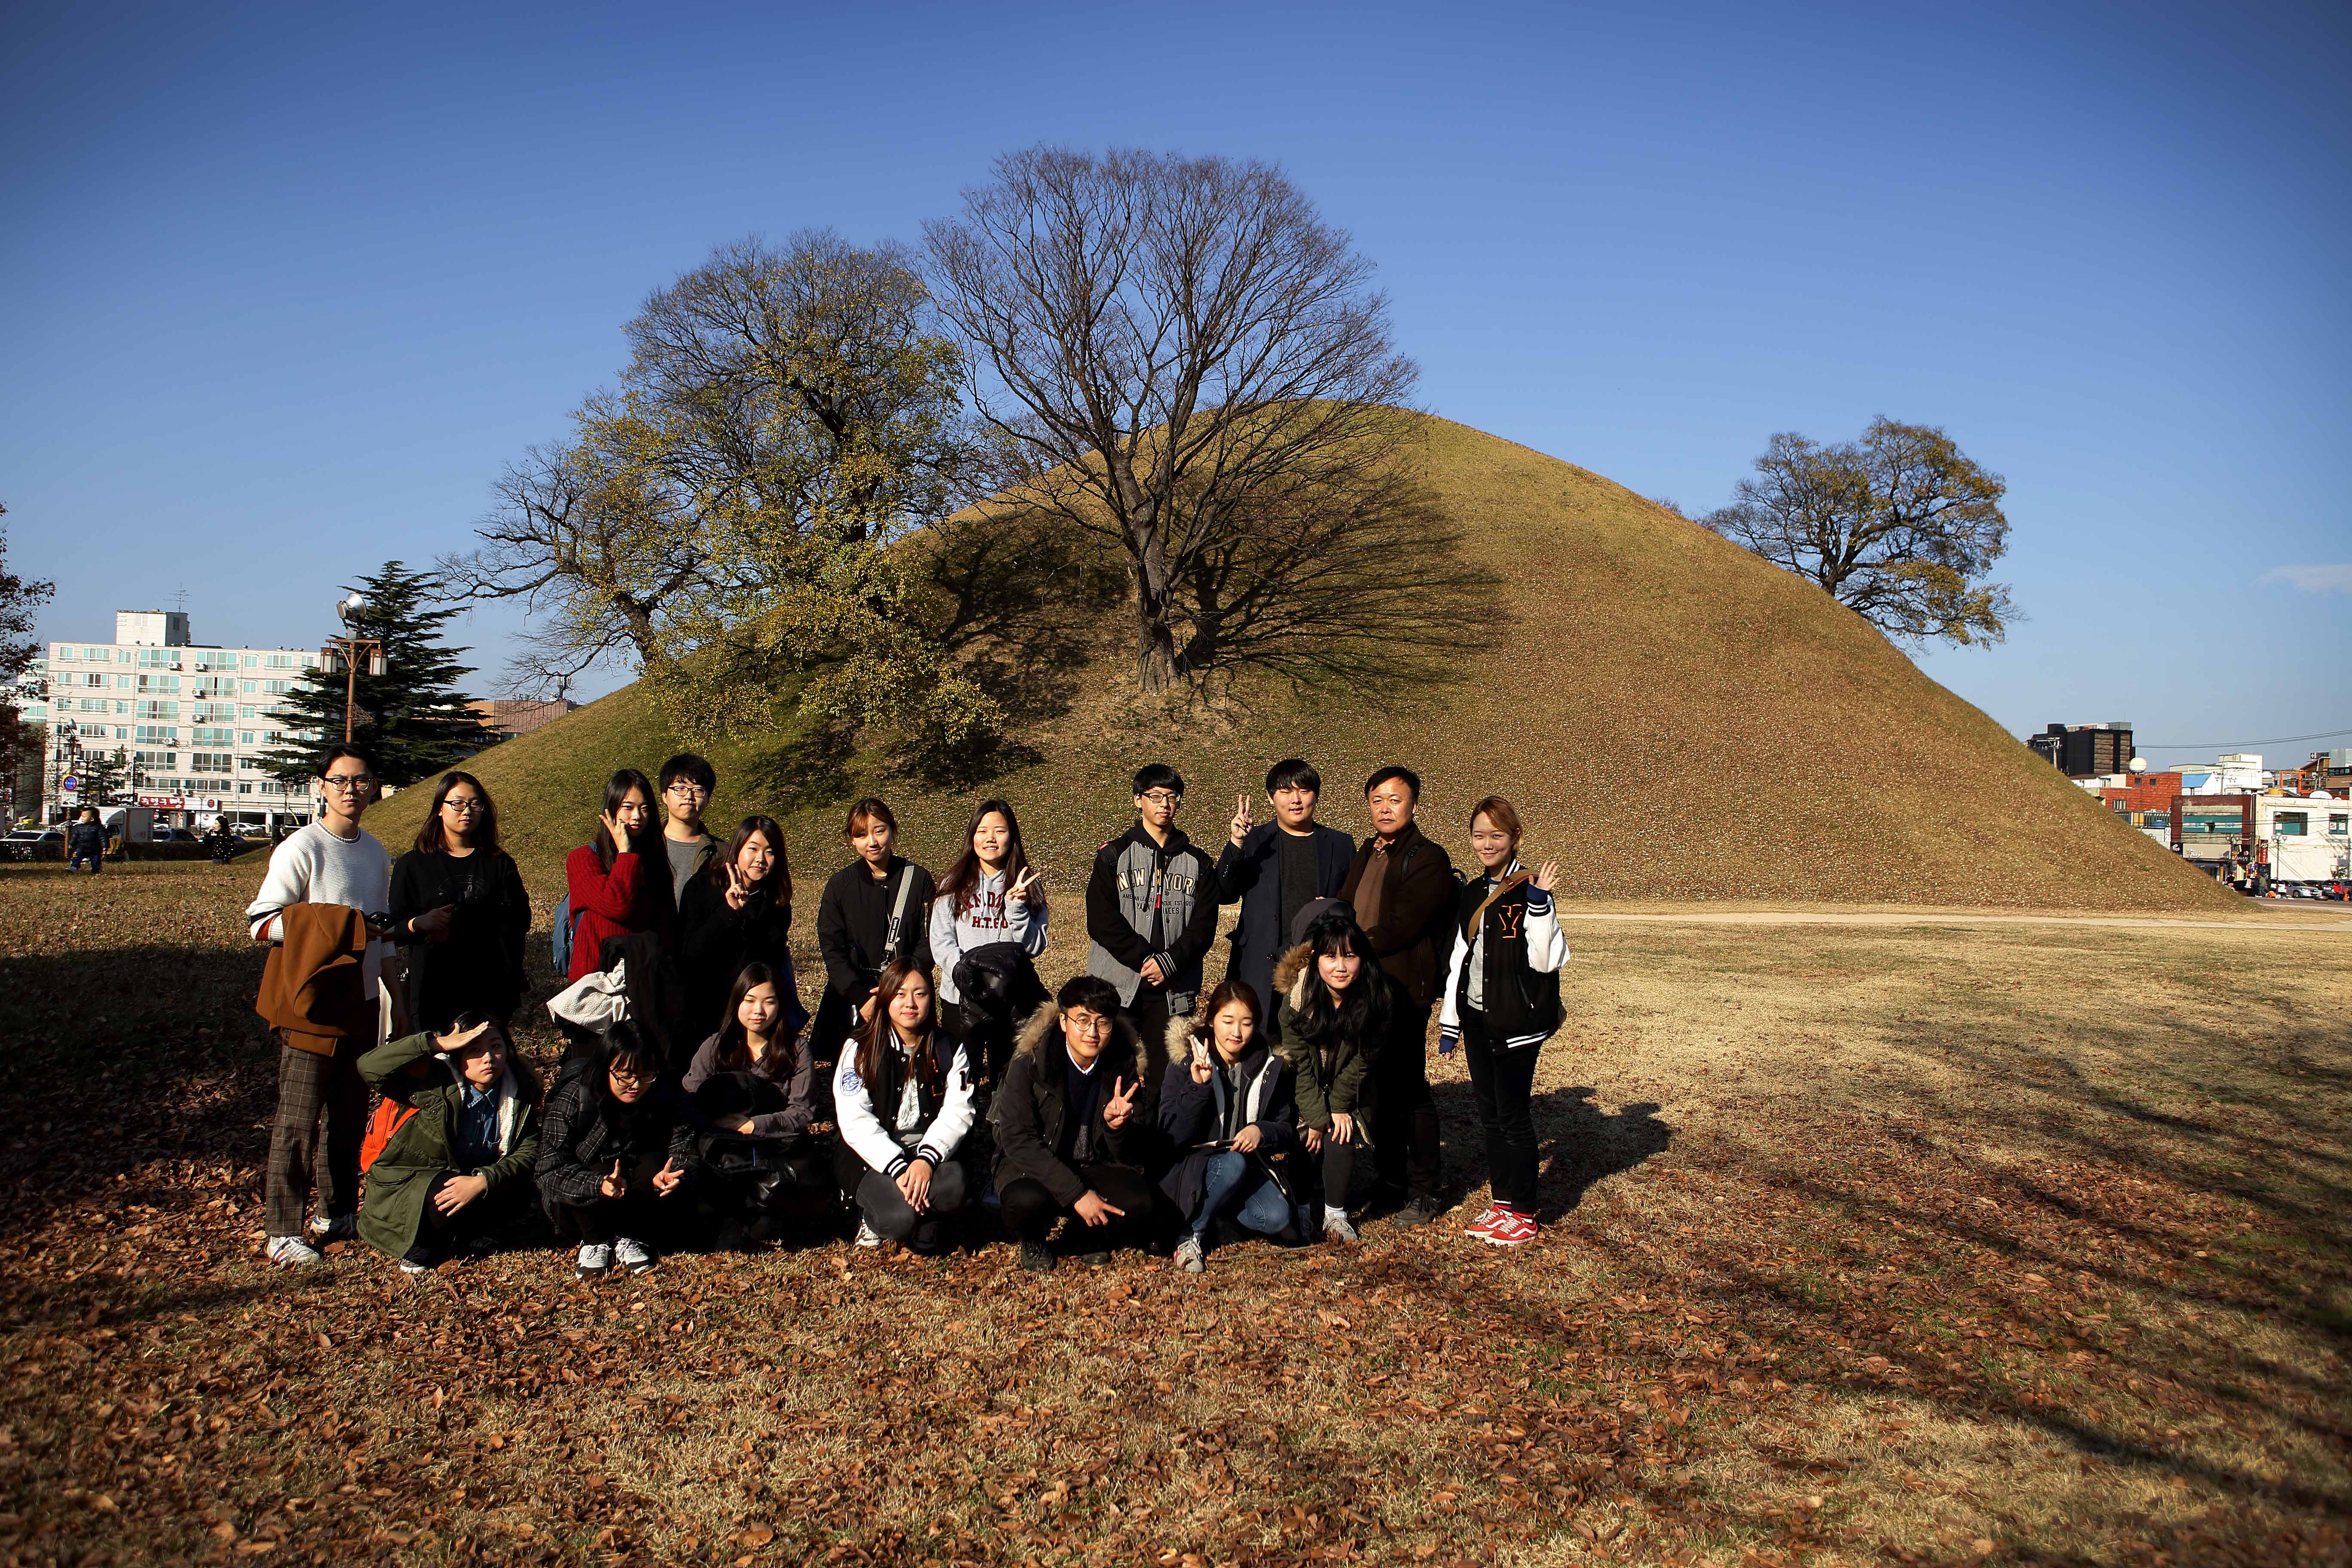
349	646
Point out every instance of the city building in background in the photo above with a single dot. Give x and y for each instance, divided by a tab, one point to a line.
190	721
512	716
2087	750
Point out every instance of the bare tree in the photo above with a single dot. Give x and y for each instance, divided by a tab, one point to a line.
1184	360
19	598
1900	526
580	538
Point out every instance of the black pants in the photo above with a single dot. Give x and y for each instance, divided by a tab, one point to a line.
438	1235
1404	1115
1149	1014
885	1208
641	1213
1340	1162
1030	1210
797	1185
1503	1083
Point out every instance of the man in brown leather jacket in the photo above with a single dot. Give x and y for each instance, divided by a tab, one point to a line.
1401	886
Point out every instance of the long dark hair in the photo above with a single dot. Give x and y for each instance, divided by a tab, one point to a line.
783	1060
778	883
878	1034
616	789
961	884
431	840
1361	1014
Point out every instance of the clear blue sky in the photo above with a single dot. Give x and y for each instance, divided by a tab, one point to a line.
283	288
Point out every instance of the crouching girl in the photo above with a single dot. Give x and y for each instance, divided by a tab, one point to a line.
754	1094
616	1156
903	1092
1227	1108
1502	1003
1340	1009
464	1124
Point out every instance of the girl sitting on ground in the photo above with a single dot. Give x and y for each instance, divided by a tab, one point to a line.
903	1092
754	1094
465	1120
1226	1106
1339	1009
616	1155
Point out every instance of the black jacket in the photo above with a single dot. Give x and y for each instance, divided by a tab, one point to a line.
1192	1114
714	943
582	1131
85	839
853	919
479	968
1250	874
1032	1106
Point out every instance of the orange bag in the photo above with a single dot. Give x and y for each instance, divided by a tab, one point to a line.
390	1116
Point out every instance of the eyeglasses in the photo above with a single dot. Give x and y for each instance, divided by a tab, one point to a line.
463	808
682	787
349	783
1091	1029
1162	797
622	1075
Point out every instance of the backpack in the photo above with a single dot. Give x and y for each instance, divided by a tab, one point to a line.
560	940
389	1118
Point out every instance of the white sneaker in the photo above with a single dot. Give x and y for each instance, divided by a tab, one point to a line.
595	1257
1336	1226
294	1252
634	1256
342	1228
414	1270
867	1235
1190	1256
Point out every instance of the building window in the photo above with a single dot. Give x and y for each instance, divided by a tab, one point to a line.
158	658
64	652
244	786
211	761
245	737
155	759
159	710
2291	824
245	710
281	661
214	737
2338	824
276	688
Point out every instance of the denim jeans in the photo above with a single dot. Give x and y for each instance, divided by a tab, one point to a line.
1229	1182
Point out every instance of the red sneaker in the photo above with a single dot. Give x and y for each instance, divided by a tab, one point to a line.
1486	1221
1514	1229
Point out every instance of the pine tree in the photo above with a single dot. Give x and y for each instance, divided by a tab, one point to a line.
412	716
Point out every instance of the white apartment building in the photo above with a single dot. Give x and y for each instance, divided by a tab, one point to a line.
191	721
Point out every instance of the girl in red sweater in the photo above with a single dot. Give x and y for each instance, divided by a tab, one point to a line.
619	883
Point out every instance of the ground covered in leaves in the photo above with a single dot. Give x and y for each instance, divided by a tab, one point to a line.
1900	1244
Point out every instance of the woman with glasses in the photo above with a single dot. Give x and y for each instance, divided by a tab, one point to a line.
617	1158
459	910
613	891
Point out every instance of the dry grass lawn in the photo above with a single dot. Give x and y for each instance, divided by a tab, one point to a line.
1945	1242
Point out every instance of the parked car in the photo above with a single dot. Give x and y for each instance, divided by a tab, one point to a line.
35	844
161	834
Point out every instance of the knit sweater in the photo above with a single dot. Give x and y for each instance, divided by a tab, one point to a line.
314	867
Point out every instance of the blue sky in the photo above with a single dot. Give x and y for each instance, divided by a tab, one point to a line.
284	289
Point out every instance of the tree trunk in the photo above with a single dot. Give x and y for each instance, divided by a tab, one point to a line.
1155	635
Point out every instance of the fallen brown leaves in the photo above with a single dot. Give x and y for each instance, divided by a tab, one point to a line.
1979	1297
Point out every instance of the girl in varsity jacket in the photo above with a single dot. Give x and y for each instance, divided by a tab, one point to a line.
903	1093
1502	1003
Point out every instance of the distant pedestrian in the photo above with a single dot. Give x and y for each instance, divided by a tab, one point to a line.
460	910
86	842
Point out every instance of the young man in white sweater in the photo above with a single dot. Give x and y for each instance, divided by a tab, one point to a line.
331	861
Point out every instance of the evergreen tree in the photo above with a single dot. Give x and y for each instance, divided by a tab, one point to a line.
412	716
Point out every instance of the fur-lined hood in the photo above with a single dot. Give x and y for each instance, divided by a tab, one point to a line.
1290	972
1042	1026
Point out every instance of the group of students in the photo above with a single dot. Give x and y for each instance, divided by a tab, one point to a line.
697	1101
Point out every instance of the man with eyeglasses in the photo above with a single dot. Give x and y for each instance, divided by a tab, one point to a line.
1151	908
686	785
331	861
